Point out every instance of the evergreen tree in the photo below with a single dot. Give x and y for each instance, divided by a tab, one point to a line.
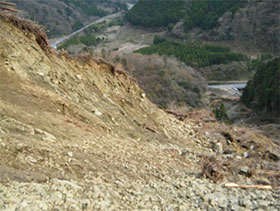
193	53
155	13
221	114
263	91
205	13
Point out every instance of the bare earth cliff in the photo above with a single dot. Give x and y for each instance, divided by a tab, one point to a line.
78	134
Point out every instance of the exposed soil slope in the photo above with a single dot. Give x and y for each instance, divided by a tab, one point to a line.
88	134
72	101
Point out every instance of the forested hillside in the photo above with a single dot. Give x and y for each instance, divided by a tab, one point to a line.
254	21
199	13
155	13
263	91
205	13
62	17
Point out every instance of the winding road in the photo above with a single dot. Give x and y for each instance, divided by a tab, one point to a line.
56	42
59	41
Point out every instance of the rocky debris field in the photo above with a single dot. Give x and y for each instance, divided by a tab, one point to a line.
79	134
178	192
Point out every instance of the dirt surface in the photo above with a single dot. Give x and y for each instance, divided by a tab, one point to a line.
127	39
52	107
78	127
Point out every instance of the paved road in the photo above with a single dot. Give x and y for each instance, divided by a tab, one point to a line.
129	6
232	89
228	86
59	41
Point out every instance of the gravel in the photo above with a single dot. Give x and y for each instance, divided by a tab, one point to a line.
184	193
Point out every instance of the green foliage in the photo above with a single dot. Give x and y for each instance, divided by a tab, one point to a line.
192	53
117	22
158	40
121	5
88	40
155	13
170	26
73	41
205	13
221	114
263	91
96	28
217	48
89	7
254	64
77	25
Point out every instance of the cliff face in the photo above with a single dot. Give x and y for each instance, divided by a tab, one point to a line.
257	22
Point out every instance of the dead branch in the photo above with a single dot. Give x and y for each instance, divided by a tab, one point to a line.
120	72
262	187
147	127
181	117
8	9
212	169
8	4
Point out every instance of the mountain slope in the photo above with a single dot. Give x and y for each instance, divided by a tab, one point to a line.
76	133
73	119
155	13
255	22
62	17
82	94
263	91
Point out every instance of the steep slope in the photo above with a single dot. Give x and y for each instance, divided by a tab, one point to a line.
76	133
263	91
73	119
62	17
75	99
256	23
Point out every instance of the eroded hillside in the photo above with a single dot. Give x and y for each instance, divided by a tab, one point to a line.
59	99
77	133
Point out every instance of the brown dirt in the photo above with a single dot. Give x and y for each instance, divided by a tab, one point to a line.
72	118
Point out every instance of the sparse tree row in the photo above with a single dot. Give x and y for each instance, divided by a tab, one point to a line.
193	53
263	91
